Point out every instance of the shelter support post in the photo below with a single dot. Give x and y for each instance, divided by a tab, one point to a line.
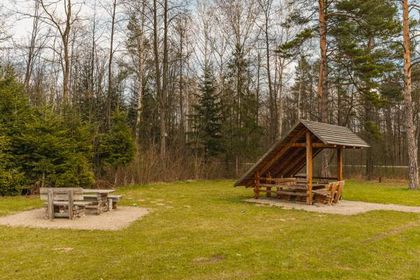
309	154
257	185
340	164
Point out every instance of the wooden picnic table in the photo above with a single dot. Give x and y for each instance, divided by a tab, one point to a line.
289	189
100	196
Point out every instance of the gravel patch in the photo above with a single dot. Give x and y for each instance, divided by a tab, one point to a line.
114	220
344	207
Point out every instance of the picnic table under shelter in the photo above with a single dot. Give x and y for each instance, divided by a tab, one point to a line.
277	171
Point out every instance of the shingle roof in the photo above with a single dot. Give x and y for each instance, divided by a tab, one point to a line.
334	134
283	161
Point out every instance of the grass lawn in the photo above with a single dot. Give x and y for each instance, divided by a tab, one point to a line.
204	230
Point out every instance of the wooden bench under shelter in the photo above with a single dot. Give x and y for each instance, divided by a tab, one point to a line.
63	202
276	172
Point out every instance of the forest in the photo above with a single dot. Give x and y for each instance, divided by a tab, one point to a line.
121	92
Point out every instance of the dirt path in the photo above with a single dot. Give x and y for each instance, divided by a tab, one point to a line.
113	220
345	207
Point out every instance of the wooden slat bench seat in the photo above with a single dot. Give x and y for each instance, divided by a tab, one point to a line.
65	203
113	200
291	193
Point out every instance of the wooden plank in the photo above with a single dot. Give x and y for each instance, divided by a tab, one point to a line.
98	191
291	193
281	167
50	208
299	165
61	193
75	203
314	145
71	206
318	177
291	167
309	167
279	180
270	162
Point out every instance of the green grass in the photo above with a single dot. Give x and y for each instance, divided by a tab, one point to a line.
204	230
389	192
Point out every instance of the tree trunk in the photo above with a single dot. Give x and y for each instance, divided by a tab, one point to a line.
323	78
159	90
165	77
31	53
413	174
111	55
273	105
141	68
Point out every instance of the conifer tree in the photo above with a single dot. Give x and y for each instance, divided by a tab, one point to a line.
363	32
116	147
207	116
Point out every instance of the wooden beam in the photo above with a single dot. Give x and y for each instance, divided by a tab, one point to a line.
281	167
297	166
308	168
267	165
314	145
318	177
340	164
298	145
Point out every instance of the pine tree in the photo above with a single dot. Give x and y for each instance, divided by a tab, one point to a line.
116	147
52	151
302	91
241	131
362	31
14	113
207	117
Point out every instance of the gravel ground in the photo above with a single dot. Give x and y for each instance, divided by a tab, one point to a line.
344	207
114	220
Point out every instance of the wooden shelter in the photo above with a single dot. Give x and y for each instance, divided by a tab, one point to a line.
281	163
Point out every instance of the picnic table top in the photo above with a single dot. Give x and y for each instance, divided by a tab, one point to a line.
100	191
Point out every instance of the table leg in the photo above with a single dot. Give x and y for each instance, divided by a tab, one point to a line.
109	204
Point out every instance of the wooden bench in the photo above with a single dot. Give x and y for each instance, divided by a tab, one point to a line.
63	202
331	194
339	194
98	203
266	184
101	200
113	200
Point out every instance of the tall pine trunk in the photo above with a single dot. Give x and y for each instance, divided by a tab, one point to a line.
413	174
323	78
